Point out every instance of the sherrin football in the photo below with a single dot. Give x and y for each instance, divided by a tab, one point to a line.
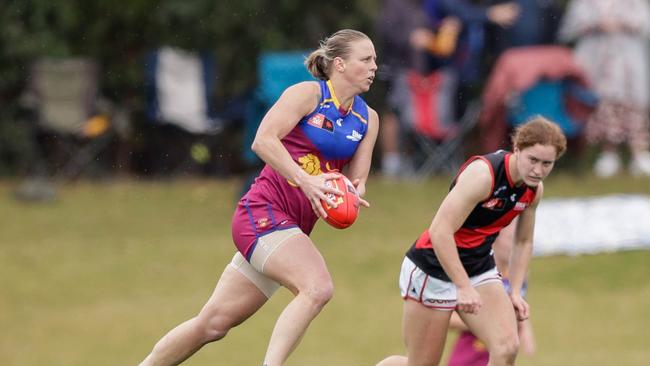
347	210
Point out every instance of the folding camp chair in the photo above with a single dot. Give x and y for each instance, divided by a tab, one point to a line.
71	123
180	91
529	81
549	99
428	109
276	71
446	155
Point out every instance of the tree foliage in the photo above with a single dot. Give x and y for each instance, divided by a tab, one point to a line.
120	34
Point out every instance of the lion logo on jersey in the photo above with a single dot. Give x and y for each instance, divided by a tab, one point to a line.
310	164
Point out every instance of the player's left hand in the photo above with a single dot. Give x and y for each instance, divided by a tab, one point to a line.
522	310
361	189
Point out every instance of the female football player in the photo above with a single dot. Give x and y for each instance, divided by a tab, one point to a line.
451	266
310	134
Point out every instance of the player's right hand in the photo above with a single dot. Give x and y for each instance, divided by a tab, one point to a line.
316	190
522	309
468	300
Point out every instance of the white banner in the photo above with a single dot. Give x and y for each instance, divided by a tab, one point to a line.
592	224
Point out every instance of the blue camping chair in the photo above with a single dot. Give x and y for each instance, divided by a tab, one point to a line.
276	71
549	99
279	70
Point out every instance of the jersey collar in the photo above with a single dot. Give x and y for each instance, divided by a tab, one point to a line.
337	104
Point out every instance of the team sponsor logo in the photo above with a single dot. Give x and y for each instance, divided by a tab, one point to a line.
494	204
439	302
339	122
499	190
263	222
328	125
316	120
320	121
355	136
520	206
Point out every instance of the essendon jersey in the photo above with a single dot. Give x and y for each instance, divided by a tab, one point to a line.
475	237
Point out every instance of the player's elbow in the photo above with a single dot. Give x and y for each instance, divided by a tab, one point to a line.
439	235
259	145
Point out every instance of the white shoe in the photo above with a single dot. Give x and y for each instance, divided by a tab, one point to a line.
607	165
640	164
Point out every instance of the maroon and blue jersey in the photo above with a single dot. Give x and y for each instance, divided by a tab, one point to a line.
475	237
323	141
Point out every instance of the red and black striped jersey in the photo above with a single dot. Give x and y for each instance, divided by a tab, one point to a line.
475	237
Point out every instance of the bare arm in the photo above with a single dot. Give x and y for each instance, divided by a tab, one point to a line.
502	248
522	250
360	165
296	102
472	186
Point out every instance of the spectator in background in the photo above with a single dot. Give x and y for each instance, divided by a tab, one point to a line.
413	47
420	44
536	24
420	38
397	20
466	59
611	45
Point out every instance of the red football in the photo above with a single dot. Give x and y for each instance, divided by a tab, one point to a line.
348	204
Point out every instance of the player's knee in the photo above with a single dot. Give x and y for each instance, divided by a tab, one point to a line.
213	334
320	294
505	350
214	328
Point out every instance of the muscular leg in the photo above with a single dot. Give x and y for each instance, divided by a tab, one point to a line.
495	324
299	266
234	299
425	332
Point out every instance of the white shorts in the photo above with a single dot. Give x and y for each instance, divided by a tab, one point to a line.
434	293
254	270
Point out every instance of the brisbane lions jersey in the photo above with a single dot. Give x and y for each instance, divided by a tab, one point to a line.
322	142
475	237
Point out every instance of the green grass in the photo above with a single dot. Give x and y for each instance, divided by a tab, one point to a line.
96	277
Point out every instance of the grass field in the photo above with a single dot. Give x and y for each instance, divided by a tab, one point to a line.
96	277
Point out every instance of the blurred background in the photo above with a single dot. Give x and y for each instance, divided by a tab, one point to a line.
65	63
124	147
